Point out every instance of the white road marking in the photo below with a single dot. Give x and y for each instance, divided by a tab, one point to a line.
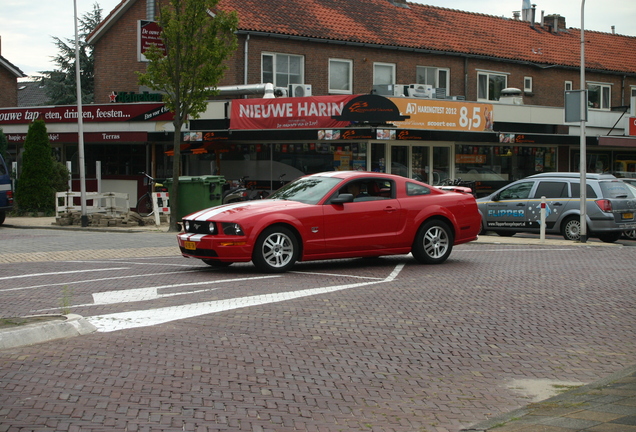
152	293
145	318
63	273
95	280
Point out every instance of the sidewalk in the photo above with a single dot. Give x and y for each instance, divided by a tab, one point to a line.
607	405
49	222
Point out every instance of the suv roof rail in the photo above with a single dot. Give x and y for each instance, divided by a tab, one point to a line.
592	176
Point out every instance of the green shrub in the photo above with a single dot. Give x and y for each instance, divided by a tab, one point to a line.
35	190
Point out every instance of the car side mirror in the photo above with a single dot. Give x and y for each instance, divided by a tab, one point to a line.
342	198
495	197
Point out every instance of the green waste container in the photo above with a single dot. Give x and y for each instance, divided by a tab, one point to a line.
196	193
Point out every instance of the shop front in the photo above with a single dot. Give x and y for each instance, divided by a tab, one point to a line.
425	139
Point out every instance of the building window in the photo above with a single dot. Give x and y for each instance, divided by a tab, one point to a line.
527	84
599	96
383	73
568	85
437	77
283	69
490	85
340	76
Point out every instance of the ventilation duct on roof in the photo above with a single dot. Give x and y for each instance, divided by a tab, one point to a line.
150	10
267	90
400	3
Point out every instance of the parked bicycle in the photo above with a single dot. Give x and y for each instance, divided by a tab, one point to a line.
145	204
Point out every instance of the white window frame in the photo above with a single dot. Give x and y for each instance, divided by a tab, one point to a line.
277	57
439	81
569	85
332	89
488	75
383	65
527	84
605	103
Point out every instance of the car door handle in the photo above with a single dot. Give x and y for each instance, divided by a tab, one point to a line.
557	203
390	209
521	205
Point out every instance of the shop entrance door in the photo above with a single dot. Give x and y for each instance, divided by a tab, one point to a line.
415	162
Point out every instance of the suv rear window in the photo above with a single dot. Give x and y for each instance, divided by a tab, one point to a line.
616	189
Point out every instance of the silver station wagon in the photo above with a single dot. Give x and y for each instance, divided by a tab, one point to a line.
611	205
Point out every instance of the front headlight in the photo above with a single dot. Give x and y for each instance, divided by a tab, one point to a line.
186	225
212	228
232	229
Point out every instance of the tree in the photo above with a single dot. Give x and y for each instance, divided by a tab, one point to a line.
34	190
4	145
60	84
197	42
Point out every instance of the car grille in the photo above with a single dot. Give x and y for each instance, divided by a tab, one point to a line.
199	227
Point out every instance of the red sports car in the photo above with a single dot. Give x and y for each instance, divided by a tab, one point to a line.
339	214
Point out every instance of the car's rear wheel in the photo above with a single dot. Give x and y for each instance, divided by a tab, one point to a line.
433	242
610	237
276	250
631	234
571	229
216	263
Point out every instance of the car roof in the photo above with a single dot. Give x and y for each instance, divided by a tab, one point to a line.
354	174
574	175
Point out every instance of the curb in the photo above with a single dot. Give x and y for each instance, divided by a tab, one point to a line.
59	327
576	395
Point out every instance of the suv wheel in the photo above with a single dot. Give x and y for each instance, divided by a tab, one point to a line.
571	229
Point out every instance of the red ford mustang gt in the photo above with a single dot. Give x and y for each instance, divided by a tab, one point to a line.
339	214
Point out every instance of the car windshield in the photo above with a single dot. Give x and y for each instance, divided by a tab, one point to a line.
617	189
308	190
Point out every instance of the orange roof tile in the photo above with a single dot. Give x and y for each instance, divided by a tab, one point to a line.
434	28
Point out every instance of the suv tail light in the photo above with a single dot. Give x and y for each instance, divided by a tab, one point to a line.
604	205
10	197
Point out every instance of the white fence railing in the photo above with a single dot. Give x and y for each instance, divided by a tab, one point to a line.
111	203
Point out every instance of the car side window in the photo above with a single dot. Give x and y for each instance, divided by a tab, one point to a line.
369	190
552	189
576	190
413	189
518	191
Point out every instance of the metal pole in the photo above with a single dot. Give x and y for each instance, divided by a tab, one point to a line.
80	124
583	159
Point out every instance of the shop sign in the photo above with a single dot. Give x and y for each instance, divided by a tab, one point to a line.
445	115
315	112
90	137
90	113
371	109
632	126
149	33
130	97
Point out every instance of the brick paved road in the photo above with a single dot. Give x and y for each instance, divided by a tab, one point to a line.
436	348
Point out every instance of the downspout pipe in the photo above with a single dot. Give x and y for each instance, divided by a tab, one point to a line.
246	60
150	10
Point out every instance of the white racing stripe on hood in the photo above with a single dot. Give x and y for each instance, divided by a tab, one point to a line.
211	212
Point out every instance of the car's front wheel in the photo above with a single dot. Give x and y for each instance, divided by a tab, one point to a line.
433	242
276	250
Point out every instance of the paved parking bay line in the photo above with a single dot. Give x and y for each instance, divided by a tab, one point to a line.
89	254
151	317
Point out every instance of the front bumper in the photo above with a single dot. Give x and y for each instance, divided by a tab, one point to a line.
220	247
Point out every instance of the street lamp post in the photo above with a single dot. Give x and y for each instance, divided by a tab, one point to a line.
80	123
583	158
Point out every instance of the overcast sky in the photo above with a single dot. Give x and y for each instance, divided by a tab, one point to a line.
27	26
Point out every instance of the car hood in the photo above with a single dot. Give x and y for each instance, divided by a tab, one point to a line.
237	211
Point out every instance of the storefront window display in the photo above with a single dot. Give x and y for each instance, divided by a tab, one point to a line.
494	166
264	163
